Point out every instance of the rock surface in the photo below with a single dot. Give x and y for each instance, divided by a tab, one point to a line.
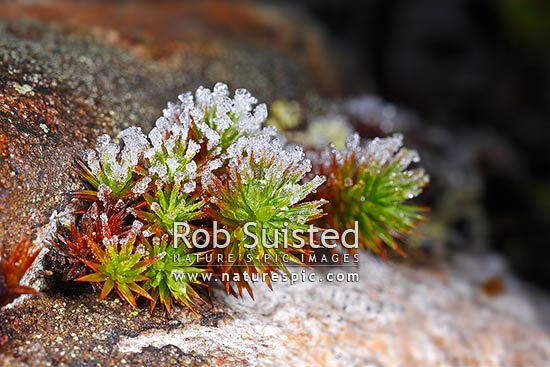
394	315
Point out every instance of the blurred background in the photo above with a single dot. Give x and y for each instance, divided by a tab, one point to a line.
466	81
476	74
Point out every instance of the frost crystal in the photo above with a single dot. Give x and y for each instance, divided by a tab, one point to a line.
370	183
103	192
261	163
141	186
172	152
189	187
134	144
219	119
209	119
382	154
112	166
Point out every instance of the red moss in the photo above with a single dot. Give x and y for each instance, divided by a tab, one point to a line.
12	269
75	243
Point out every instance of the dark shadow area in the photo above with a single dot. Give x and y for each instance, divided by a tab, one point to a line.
479	68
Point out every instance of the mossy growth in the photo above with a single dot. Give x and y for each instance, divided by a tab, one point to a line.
13	267
209	172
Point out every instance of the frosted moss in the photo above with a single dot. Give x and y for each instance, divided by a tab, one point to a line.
209	161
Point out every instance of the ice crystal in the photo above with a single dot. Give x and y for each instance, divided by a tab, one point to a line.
141	186
216	119
112	166
104	192
263	186
370	183
172	152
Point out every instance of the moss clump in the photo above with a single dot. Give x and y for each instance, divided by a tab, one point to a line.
208	172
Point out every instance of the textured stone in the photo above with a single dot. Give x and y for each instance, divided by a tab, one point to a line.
394	316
